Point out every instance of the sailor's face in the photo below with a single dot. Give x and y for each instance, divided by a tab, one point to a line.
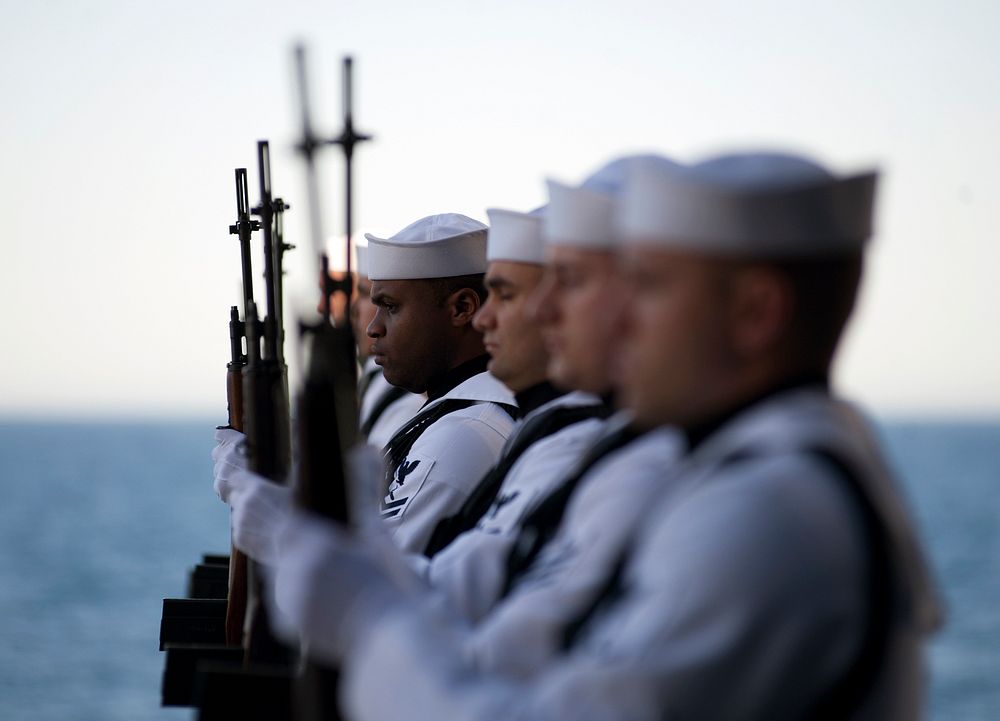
577	305
362	313
677	359
510	334
408	332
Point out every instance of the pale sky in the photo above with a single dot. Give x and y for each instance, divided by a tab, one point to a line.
122	123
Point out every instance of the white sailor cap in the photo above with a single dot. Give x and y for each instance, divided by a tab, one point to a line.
515	236
438	246
361	258
760	205
584	216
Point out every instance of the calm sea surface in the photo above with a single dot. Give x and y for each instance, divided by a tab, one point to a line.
99	522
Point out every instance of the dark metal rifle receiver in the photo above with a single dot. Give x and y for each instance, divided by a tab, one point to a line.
237	329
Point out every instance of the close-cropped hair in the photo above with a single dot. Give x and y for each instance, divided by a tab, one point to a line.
825	290
444	287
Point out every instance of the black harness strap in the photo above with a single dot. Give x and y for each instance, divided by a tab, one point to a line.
846	694
541	523
479	502
401	443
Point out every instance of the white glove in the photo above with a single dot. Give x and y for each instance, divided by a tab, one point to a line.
260	508
329	587
230	456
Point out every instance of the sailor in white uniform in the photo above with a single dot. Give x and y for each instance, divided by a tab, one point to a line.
466	560
427	288
382	407
777	574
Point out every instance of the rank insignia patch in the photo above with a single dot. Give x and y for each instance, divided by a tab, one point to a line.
406	482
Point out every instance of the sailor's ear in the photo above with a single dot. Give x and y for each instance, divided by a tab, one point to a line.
462	306
760	310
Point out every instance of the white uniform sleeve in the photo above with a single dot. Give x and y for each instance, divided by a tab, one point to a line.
440	471
470	572
410	668
742	600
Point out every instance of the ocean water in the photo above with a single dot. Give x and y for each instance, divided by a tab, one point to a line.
952	474
99	522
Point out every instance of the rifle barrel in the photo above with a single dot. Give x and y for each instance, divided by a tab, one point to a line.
277	279
243	228
265	211
307	146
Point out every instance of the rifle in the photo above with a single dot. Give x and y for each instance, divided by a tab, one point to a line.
327	401
265	392
243	228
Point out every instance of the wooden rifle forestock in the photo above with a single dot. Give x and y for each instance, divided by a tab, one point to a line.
236	599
